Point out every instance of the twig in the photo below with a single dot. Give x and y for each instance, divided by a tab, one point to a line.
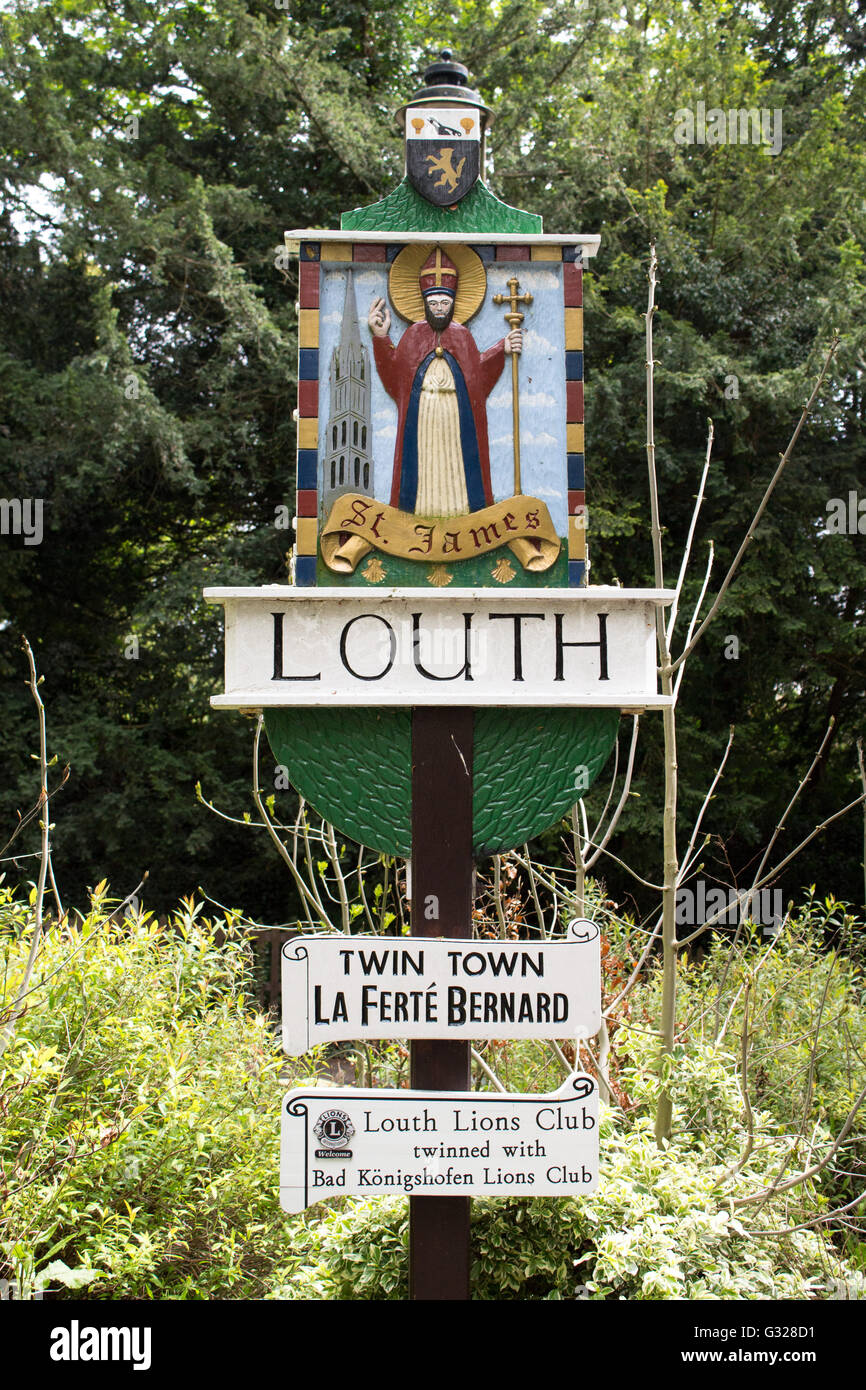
623	799
812	1172
579	867
280	847
667	1021
815	1220
533	888
610	788
633	977
781	825
697	609
672	620
34	683
863	780
744	1089
367	913
783	463
557	1050
707	799
497	895
601	1063
491	1075
333	855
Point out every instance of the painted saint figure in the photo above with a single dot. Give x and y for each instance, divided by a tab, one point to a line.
440	383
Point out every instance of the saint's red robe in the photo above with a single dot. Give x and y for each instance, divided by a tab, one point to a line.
401	370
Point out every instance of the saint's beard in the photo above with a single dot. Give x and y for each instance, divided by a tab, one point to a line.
438	324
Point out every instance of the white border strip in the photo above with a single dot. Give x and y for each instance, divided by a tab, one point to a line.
588	243
597	593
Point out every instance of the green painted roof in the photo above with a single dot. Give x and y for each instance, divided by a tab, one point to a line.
404	210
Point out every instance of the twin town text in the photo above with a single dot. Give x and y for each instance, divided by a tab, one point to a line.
350	987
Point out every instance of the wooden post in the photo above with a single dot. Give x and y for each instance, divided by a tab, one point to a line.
442	879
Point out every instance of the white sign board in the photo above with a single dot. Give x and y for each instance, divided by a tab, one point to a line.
530	647
372	1143
410	987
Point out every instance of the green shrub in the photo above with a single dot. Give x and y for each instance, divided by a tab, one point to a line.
806	1032
140	1112
661	1225
139	1105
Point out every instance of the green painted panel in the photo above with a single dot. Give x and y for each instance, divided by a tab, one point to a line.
404	210
526	767
465	574
354	768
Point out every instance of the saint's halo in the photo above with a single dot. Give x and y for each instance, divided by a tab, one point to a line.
404	281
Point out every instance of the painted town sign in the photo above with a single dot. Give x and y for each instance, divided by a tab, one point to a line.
441	448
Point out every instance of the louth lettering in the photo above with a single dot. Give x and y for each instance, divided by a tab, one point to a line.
371	646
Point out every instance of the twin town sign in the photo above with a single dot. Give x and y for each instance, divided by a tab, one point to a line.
378	1143
338	987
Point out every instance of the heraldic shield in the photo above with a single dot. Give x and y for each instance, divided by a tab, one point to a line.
443	152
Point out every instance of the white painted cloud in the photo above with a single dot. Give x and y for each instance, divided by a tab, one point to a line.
533	342
536	398
536	279
541	441
385	436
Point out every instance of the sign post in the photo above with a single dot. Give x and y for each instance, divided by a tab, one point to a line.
442	877
440	595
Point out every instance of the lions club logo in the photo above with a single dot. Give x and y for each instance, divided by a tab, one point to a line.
334	1129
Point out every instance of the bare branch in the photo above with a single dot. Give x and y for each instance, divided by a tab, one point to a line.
863	780
698	606
749	536
15	1014
744	1088
533	888
488	1072
707	799
334	856
623	799
497	895
780	827
609	790
280	847
821	1220
635	974
560	1056
816	1168
672	620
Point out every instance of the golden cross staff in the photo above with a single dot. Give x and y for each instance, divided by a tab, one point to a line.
514	319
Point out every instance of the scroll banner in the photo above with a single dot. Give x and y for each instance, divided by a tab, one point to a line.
358	525
339	987
381	1143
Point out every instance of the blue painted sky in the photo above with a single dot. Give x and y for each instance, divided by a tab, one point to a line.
542	379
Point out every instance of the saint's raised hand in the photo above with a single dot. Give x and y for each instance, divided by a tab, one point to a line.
379	318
